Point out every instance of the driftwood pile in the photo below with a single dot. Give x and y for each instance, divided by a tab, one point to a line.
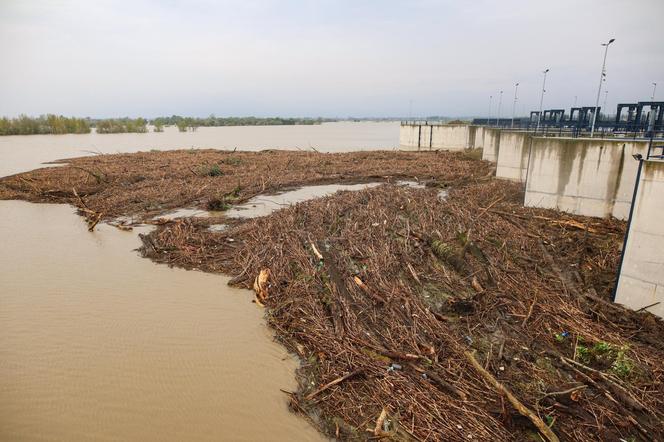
470	318
416	316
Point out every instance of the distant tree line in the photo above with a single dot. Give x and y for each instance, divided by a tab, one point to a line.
44	124
57	124
189	123
121	125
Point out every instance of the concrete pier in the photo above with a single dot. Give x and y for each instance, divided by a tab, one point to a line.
641	279
512	155
491	144
583	176
439	136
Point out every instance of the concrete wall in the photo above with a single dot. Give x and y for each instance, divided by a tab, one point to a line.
641	279
424	137
491	144
591	177
408	135
476	137
512	159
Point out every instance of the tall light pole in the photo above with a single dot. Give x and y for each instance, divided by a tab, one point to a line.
654	88
599	89
488	119
500	102
516	88
539	116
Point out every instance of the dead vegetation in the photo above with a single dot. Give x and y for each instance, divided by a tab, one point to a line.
415	317
149	183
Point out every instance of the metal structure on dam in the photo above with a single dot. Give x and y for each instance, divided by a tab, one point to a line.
641	119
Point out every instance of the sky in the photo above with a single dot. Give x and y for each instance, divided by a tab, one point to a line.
329	58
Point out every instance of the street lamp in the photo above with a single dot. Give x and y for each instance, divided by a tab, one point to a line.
516	88
654	88
488	119
599	89
500	102
539	116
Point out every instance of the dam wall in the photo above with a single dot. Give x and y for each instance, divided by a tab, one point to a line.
439	136
641	274
512	155
491	144
591	177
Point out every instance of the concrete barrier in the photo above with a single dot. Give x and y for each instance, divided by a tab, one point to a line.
512	155
409	135
476	137
491	144
591	177
641	274
436	136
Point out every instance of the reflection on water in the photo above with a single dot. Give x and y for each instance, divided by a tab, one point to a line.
21	153
97	343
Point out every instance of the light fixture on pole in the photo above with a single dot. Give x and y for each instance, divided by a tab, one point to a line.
516	88
500	102
654	88
599	89
539	116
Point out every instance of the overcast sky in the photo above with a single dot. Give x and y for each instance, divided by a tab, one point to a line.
322	57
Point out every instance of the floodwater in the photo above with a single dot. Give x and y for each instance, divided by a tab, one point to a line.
21	153
97	343
263	205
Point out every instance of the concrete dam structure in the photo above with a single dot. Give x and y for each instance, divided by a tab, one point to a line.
583	176
590	177
641	274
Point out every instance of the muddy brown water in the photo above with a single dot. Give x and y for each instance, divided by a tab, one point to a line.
97	343
21	153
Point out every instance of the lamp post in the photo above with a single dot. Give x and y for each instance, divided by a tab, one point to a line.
488	118
539	116
599	89
654	88
500	102
516	88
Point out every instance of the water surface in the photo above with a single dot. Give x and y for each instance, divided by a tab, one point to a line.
20	153
97	343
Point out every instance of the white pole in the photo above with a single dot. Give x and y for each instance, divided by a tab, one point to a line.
606	96
500	102
654	88
488	119
539	116
516	88
599	89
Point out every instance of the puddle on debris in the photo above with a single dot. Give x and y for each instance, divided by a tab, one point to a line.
263	205
184	213
217	227
97	343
